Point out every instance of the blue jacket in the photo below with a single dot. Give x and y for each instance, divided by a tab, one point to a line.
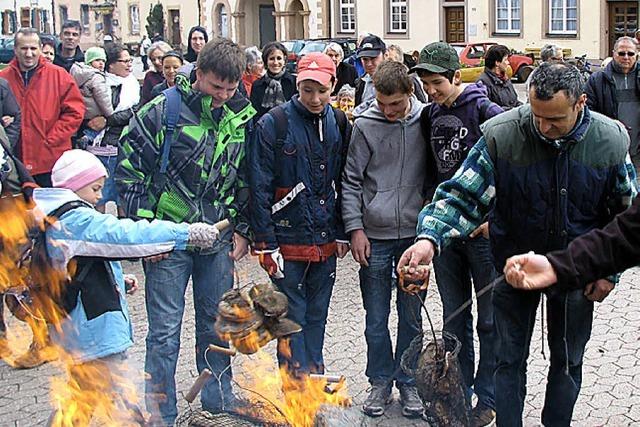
84	232
295	182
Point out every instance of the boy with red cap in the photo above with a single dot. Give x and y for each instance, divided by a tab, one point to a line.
296	157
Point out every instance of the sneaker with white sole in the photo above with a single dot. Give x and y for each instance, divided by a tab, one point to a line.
378	399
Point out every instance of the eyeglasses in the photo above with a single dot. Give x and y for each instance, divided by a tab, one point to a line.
125	61
629	54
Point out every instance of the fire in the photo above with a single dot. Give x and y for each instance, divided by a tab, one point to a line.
297	399
99	390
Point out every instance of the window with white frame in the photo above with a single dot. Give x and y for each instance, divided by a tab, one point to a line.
84	18
134	19
347	16
563	16
397	16
508	16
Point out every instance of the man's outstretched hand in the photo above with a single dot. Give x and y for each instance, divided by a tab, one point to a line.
529	272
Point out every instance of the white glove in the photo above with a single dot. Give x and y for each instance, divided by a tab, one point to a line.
272	262
202	235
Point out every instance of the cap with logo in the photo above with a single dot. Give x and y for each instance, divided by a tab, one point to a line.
438	57
371	46
316	66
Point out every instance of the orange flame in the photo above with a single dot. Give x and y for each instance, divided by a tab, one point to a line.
298	399
98	390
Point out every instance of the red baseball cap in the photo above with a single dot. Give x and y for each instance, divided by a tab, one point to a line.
316	66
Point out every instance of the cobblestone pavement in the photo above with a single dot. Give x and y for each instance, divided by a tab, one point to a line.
609	396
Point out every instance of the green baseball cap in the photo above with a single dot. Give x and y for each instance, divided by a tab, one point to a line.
438	57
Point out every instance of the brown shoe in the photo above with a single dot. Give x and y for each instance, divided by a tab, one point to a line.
37	355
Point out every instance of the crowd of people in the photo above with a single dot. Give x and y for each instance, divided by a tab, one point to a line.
392	160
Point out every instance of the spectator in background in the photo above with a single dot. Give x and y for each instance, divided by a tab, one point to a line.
197	39
154	75
638	36
50	102
615	92
548	53
145	44
277	86
495	78
171	63
354	60
346	74
371	53
10	114
48	48
125	96
96	94
69	50
254	69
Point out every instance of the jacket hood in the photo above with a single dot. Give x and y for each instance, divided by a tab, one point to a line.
191	55
470	94
82	73
576	134
78	56
374	113
50	199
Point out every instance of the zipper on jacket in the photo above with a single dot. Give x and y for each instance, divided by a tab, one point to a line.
403	148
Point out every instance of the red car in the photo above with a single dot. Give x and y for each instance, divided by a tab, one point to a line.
472	54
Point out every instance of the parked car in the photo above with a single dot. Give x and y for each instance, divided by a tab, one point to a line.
293	48
472	55
6	49
317	45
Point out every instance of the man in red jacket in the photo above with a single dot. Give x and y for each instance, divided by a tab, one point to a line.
51	104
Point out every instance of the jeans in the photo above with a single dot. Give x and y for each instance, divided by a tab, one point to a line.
376	283
166	283
308	287
569	321
455	267
109	191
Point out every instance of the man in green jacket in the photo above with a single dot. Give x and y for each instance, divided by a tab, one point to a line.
200	180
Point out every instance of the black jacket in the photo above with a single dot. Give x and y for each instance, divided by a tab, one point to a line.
66	63
600	253
601	91
289	88
345	74
499	91
117	121
9	107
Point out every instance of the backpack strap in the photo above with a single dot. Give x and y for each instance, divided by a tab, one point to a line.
172	114
66	207
281	123
341	119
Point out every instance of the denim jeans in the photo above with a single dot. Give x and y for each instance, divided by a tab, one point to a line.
109	191
569	321
166	283
308	286
376	283
456	265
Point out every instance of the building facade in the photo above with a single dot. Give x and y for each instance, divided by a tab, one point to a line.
584	26
26	13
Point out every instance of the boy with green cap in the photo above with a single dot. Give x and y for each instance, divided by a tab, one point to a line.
451	126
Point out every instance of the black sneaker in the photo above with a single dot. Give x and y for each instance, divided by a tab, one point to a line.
410	401
379	398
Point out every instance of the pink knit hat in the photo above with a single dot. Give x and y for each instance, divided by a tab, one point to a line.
76	169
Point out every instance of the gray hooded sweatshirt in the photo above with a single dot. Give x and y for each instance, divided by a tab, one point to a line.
383	181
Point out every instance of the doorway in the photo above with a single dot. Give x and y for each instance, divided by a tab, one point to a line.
623	21
267	24
454	24
174	19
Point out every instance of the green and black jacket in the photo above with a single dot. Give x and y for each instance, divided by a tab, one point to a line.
205	176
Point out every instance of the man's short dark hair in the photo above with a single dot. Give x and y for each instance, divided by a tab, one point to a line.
391	77
113	52
223	58
551	78
26	31
269	48
449	74
495	54
71	24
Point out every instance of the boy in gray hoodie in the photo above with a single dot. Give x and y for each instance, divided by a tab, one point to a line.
382	194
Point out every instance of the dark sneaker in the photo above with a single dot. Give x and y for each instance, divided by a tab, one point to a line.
410	401
379	398
482	416
36	356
